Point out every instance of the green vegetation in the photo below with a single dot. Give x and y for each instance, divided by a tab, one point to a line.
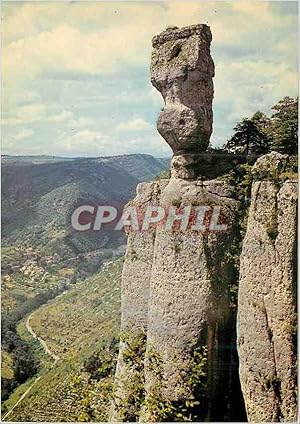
272	382
176	202
283	129
192	387
163	175
272	230
128	408
249	136
82	327
7	370
23	362
259	135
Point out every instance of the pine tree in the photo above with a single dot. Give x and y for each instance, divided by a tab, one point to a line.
284	126
250	136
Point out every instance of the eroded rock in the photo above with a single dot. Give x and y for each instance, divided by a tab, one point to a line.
136	275
182	70
188	305
267	297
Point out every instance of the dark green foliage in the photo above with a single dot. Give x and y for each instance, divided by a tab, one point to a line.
133	354
191	404
250	136
259	135
102	364
215	162
24	363
272	227
284	126
7	387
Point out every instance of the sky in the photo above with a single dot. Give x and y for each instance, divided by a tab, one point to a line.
76	79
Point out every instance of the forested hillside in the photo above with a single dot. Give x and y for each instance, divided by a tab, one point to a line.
41	255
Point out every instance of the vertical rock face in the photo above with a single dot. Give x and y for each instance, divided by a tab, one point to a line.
267	297
174	362
175	302
136	276
182	70
189	301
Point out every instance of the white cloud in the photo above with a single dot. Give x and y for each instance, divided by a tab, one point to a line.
36	112
84	143
81	122
94	143
254	47
66	49
24	134
63	116
26	114
46	38
136	124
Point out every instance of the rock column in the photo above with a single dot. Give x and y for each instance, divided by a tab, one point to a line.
129	379
267	296
182	70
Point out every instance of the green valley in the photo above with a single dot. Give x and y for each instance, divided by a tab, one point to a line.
81	326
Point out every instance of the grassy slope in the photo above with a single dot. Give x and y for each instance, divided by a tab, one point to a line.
7	366
74	325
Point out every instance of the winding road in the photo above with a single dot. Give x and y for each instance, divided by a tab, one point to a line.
47	350
42	342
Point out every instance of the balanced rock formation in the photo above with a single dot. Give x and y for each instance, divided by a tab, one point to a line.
182	70
177	357
174	362
267	296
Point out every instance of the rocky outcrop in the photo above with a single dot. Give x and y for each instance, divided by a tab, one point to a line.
175	304
182	70
136	276
177	357
188	305
174	362
267	296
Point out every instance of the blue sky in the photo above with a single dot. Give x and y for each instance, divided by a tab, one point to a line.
76	74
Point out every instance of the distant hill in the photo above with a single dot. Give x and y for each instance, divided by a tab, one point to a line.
40	193
142	167
42	255
33	159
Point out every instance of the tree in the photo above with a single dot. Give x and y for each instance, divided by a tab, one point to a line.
284	126
250	136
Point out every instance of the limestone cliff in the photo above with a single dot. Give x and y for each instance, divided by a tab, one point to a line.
177	358
175	294
135	305
188	307
175	303
267	296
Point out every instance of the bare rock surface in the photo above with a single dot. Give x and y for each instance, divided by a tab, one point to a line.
188	300
182	70
135	303
174	301
177	357
267	298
